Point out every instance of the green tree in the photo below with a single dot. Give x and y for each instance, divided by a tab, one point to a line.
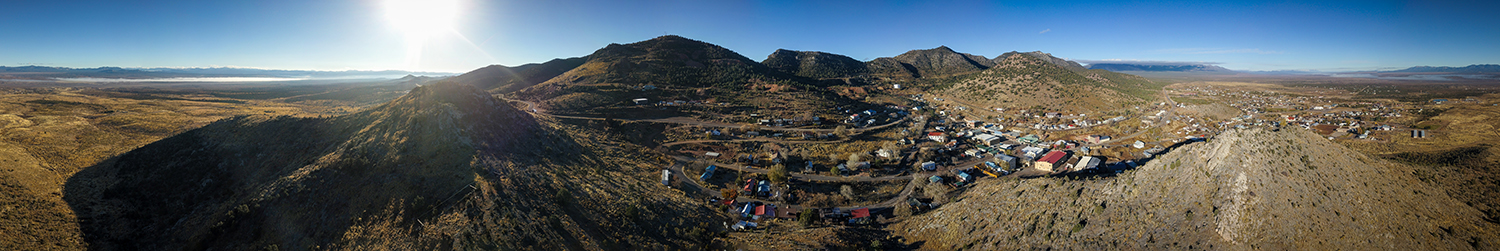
808	217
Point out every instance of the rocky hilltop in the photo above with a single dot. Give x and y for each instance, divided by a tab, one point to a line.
446	166
1024	80
1064	63
1241	190
504	79
935	62
815	64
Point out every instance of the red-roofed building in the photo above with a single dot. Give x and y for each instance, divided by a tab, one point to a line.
937	136
761	210
1046	162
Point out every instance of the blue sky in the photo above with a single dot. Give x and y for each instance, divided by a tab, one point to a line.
358	34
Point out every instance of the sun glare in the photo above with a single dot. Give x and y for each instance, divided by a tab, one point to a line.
419	21
422	16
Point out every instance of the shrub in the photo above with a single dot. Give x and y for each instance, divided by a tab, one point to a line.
808	217
778	174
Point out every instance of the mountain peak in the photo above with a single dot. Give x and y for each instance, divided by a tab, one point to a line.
937	62
814	64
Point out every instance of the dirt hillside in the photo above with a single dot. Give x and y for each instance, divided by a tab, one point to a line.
1242	190
445	167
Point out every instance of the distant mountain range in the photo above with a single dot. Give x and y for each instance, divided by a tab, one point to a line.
1478	68
1159	67
47	72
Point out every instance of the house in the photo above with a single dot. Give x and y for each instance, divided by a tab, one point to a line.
937	136
1138	144
750	185
988	139
764	189
1006	162
1052	158
973	152
860	213
748	210
934	179
766	210
1033	152
1095	139
1030	139
965	177
883	153
786	213
640	101
1418	133
1086	163
929	166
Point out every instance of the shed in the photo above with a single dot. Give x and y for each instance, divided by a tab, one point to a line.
929	166
666	177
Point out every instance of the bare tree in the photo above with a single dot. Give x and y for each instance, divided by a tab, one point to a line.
937	191
847	191
841	131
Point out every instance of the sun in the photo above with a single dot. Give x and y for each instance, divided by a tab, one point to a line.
420	21
424	17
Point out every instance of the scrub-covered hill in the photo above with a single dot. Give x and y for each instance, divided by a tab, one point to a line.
710	80
1242	190
446	166
1038	80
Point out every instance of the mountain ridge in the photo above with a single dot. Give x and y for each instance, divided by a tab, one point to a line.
1118	67
1474	68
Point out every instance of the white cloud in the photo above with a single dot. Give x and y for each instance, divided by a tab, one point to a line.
1044	31
1217	51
